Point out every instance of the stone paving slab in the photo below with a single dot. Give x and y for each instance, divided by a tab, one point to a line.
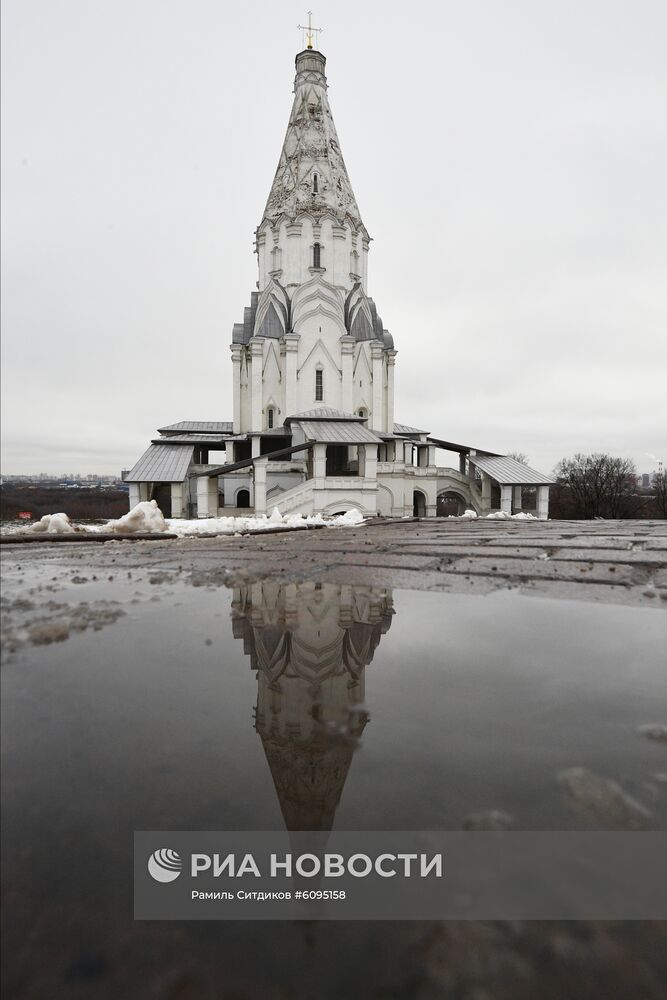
621	562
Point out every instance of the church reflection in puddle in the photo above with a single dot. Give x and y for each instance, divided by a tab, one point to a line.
310	644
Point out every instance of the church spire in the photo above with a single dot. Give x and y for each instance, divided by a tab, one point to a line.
311	175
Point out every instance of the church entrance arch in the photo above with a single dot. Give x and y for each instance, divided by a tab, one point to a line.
418	504
450	504
243	498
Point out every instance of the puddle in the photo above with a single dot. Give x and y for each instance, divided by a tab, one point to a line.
312	706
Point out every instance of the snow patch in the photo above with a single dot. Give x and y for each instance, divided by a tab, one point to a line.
145	517
232	525
502	515
350	517
495	515
467	515
53	524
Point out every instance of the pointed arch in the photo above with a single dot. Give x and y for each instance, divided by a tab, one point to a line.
272	317
317	297
321	348
362	366
271	356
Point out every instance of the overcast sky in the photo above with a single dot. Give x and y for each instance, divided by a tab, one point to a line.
509	160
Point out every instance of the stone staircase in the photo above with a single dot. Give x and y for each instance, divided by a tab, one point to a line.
298	500
453	479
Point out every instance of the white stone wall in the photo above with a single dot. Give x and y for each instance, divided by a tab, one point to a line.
285	251
280	374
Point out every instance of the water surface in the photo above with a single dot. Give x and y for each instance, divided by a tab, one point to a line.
307	705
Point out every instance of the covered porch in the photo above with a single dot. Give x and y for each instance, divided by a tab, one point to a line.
510	486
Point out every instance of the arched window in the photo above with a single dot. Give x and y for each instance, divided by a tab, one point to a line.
362	412
315	184
269	417
319	385
317	255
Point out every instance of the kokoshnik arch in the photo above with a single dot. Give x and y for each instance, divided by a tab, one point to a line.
313	426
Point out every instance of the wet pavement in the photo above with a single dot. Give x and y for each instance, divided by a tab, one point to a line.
309	681
621	562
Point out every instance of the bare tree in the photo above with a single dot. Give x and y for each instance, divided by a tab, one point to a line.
599	485
518	456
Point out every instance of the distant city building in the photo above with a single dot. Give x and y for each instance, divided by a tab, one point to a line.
313	426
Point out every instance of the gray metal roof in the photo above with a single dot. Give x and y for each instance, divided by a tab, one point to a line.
324	413
270	432
463	449
405	429
199	427
210	440
242	332
162	463
338	432
508	472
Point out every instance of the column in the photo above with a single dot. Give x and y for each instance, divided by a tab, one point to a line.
506	499
291	348
370	461
177	500
292	268
376	421
135	494
543	503
340	258
237	350
260	247
365	243
256	355
391	366
255	446
259	478
486	493
319	465
203	509
213	496
347	360
462	463
430	488
517	498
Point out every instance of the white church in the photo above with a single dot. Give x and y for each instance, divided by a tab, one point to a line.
313	427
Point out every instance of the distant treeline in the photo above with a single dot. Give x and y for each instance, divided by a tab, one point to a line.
600	485
79	504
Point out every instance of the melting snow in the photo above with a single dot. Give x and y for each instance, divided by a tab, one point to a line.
495	515
147	517
502	515
54	524
229	525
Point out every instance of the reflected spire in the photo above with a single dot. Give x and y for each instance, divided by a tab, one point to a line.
310	644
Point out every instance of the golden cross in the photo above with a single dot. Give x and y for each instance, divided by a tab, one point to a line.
310	31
